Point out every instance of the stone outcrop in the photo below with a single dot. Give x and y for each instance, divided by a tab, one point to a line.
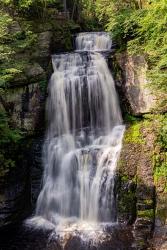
15	196
27	107
132	79
142	196
136	195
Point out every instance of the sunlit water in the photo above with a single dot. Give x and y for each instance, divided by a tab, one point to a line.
82	144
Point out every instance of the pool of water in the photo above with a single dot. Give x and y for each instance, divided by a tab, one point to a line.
23	237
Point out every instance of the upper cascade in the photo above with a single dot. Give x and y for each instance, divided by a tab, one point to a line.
93	41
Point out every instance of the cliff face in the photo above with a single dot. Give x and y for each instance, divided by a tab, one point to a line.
142	166
142	182
132	77
24	101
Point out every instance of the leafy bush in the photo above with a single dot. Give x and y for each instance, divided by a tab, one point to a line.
9	140
139	26
163	133
11	42
30	8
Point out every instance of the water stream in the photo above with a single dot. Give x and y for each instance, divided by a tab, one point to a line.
83	139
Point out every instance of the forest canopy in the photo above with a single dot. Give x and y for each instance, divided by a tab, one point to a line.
138	26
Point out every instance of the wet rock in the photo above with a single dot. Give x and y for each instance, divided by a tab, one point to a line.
19	80
136	195
159	241
15	28
15	199
160	231
75	243
22	238
142	233
145	204
42	50
28	103
35	73
36	168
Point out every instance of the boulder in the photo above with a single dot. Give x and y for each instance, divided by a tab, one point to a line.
15	196
135	84
43	45
35	72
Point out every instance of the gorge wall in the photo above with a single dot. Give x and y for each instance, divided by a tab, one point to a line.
24	102
142	185
142	196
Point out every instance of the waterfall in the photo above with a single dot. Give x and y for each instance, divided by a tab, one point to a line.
84	136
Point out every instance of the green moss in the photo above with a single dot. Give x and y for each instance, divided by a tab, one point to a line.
162	214
146	214
160	166
124	178
160	154
5	165
43	85
120	164
133	133
131	119
125	204
148	202
161	210
127	198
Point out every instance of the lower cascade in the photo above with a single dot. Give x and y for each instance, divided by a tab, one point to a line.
83	139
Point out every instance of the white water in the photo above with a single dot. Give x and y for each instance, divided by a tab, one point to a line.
83	139
99	41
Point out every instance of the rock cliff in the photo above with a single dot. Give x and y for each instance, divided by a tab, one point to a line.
24	101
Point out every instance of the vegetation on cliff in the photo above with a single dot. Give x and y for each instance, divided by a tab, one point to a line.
19	30
137	26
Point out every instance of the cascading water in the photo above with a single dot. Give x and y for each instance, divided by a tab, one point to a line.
84	136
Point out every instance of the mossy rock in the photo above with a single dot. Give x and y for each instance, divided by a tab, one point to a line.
127	199
161	209
146	214
133	133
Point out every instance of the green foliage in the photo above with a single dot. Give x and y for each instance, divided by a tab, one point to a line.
160	155
43	86
162	138
160	171
89	20
7	134
12	42
139	26
127	197
131	119
151	39
9	139
146	214
31	8
133	132
5	50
